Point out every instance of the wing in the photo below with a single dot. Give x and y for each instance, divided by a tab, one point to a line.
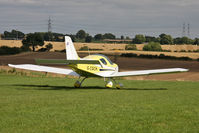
63	61
147	72
45	69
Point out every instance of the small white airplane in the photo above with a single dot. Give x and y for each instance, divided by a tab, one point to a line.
96	65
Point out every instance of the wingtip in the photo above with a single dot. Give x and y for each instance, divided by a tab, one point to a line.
184	70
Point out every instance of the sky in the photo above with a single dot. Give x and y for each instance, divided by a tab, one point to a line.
120	17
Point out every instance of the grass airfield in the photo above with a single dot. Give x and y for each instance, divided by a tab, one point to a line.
52	105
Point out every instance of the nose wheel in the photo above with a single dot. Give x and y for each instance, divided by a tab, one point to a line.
109	84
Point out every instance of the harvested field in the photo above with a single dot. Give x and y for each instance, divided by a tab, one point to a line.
103	46
176	54
116	48
11	43
124	64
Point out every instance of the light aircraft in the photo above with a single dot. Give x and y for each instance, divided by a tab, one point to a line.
96	65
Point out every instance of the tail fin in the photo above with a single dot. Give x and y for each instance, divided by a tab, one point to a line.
71	53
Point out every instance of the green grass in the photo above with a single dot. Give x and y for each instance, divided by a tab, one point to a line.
52	105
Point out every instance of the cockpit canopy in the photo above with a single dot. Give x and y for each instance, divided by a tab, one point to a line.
104	61
102	58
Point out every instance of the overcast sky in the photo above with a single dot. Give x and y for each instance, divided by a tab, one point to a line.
121	17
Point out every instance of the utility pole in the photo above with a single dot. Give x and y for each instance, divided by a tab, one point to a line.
49	28
17	34
183	30
188	30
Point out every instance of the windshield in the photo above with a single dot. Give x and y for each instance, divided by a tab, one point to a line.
106	58
103	61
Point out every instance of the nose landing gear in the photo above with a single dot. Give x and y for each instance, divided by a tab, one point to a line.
109	84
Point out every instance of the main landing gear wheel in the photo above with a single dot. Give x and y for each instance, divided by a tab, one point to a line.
119	85
79	83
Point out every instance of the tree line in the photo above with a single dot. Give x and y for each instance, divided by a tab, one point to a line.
164	39
38	38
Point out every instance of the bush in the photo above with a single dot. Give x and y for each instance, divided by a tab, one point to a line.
196	50
161	56
130	47
24	48
5	50
84	48
166	50
42	50
152	46
183	50
48	47
129	55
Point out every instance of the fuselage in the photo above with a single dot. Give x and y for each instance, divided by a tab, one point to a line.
105	68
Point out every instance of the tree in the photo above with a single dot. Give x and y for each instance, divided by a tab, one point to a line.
49	46
139	39
127	38
98	37
122	37
151	39
33	40
109	36
177	40
166	39
162	35
14	34
73	37
196	41
130	47
152	46
81	34
88	39
186	40
183	40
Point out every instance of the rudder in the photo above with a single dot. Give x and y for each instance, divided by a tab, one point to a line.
71	53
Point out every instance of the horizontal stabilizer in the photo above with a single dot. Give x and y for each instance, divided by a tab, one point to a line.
63	61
